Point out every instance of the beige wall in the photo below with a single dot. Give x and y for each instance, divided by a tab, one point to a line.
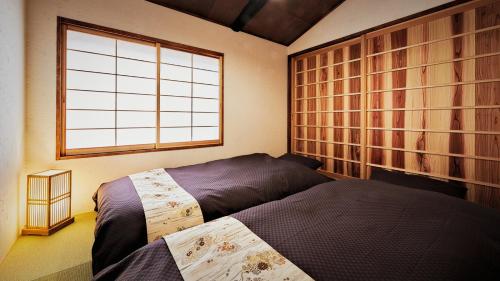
356	15
11	117
254	89
255	80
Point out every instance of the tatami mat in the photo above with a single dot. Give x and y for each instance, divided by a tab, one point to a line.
82	272
65	254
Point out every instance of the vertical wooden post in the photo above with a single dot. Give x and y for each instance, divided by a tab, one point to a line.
158	67
292	141
70	191
28	190
49	187
364	103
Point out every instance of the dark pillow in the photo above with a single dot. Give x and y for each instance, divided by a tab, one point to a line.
306	161
419	182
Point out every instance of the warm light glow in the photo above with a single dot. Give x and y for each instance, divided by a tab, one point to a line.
112	93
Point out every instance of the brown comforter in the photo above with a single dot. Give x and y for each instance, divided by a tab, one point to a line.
221	188
358	230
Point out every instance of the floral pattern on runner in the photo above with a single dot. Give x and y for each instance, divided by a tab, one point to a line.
168	208
225	249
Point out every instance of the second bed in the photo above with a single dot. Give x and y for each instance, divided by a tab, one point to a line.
220	188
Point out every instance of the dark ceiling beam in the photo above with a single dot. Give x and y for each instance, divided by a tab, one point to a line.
250	10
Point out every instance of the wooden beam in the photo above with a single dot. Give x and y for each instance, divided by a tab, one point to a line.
250	10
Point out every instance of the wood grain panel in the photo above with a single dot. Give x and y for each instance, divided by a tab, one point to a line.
311	104
298	102
487	94
354	152
398	39
377	101
417	77
332	104
442	92
456	164
484	195
430	104
338	104
324	60
467	95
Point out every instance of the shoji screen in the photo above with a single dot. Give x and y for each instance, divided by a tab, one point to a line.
433	98
119	92
326	107
110	92
189	97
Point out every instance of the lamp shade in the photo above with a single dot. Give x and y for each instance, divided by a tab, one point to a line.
48	203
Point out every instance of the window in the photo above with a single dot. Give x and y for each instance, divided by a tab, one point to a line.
121	93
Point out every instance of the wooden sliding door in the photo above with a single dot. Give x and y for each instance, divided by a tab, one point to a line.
326	107
433	98
422	97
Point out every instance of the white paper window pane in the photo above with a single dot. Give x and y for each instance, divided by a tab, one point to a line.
205	133
127	119
136	102
135	136
90	81
174	72
206	62
89	100
207	77
175	88
90	62
78	119
90	43
175	57
205	91
136	68
169	135
136	85
90	138
175	119
205	119
175	104
205	105
136	51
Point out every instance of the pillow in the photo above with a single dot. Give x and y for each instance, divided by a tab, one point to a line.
306	161
419	182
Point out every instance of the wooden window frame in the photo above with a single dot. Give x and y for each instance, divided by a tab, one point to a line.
64	24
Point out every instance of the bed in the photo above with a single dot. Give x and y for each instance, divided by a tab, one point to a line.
358	230
220	187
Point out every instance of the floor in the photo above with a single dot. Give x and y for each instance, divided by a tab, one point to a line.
65	255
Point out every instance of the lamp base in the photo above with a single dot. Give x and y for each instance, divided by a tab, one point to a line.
48	231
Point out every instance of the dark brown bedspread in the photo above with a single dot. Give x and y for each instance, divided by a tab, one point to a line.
359	230
221	188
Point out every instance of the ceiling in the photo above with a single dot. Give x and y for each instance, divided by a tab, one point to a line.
280	21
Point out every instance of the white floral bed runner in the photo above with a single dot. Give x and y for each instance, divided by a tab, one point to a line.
167	206
225	249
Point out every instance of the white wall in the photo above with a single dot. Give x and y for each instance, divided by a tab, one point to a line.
254	89
11	117
356	15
